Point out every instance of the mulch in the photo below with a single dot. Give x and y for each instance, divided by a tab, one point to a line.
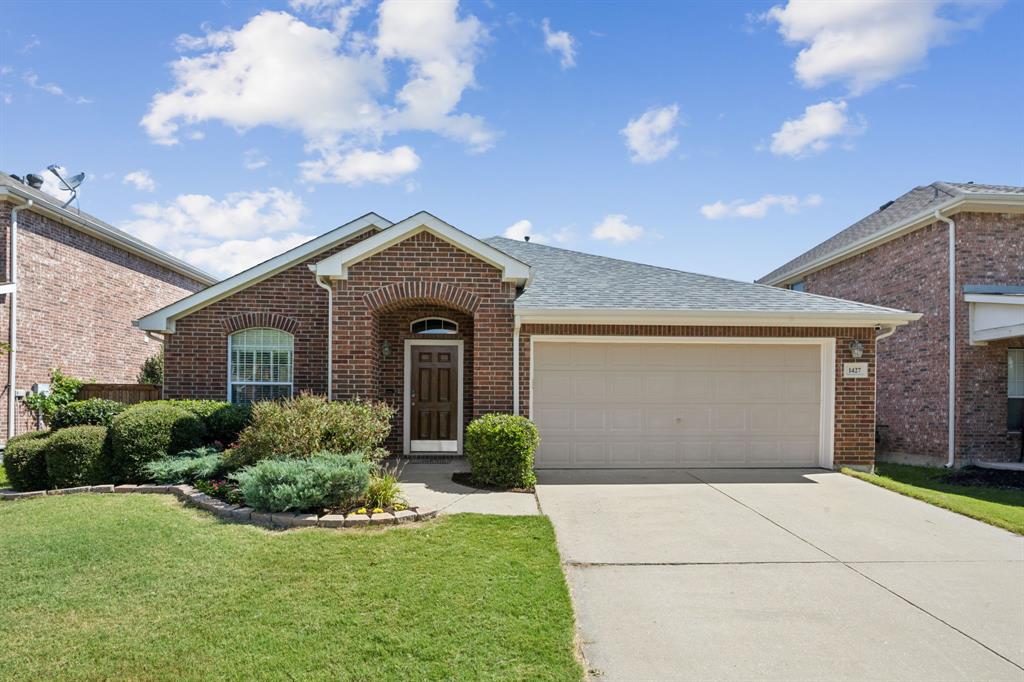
992	478
465	478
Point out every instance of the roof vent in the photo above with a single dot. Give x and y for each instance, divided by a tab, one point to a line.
886	205
526	238
34	181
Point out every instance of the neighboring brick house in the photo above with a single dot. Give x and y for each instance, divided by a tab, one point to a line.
620	364
899	256
80	284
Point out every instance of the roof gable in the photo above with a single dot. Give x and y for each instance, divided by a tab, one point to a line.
163	320
337	265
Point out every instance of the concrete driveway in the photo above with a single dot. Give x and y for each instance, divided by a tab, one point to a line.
784	575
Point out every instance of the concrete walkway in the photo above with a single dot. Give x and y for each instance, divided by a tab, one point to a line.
782	575
430	486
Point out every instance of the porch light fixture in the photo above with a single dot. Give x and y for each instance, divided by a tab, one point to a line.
856	349
385	349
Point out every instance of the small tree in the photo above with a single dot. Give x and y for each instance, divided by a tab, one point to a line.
152	371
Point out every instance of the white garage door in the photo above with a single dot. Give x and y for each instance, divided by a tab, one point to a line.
600	404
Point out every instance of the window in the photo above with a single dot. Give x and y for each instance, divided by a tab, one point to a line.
1015	389
798	286
259	365
434	325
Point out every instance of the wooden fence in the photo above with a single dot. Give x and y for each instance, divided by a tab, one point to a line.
122	393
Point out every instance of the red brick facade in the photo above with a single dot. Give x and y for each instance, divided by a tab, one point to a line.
77	298
425	276
911	273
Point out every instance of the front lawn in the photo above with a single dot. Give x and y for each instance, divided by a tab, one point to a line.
1001	507
135	586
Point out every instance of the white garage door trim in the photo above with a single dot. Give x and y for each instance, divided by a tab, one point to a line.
828	363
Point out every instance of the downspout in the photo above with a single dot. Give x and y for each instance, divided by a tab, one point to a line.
951	435
330	333
12	357
515	366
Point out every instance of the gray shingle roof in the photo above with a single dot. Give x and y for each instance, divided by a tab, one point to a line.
568	280
914	202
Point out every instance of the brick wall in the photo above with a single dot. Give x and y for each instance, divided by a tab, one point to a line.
197	353
77	299
911	273
855	399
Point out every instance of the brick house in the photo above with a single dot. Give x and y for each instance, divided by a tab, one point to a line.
78	286
899	256
619	364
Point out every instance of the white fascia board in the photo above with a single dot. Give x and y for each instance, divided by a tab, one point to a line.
337	266
105	233
1002	299
987	203
163	320
726	318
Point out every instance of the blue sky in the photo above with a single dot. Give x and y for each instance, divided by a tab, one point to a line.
722	138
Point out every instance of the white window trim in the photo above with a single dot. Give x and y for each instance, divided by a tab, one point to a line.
826	431
439	332
291	370
407	408
1008	351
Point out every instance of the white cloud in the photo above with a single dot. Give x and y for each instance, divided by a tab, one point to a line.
221	235
561	42
33	81
361	166
330	84
758	209
865	43
651	137
141	180
253	160
524	228
815	131
615	228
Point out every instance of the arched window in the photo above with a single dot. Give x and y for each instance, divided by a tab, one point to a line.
259	365
434	325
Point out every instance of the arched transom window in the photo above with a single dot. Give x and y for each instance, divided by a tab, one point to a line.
259	365
434	325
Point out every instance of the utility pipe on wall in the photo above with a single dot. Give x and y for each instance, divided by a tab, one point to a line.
951	435
12	357
515	366
330	332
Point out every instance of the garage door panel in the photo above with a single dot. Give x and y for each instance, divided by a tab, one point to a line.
677	404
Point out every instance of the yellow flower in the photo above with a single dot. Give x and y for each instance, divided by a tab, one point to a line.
361	510
378	510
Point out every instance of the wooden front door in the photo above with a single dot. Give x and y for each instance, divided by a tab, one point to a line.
433	398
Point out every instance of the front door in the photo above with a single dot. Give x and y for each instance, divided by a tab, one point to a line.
433	399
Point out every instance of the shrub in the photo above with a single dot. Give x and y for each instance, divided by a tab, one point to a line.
383	490
74	456
225	491
92	412
185	467
63	390
152	370
223	421
500	450
299	427
324	480
150	431
25	461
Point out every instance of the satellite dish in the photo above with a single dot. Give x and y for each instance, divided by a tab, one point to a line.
70	184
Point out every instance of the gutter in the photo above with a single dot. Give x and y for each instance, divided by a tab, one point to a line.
330	331
515	365
12	357
951	426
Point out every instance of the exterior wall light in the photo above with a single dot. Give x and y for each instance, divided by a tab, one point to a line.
385	349
856	349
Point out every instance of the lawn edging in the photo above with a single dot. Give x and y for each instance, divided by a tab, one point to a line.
238	513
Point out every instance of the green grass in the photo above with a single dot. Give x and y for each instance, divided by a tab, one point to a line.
138	587
998	506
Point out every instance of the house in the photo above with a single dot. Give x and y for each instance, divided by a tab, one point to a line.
73	285
619	364
951	386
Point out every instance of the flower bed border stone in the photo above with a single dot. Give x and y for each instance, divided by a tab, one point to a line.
236	512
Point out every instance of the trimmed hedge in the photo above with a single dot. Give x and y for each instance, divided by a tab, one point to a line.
323	481
74	456
149	431
223	421
91	412
299	427
500	449
186	466
25	461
